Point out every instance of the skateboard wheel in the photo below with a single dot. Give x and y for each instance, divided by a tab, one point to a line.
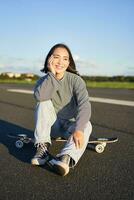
19	144
99	148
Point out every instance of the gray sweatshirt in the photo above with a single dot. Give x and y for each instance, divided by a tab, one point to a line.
68	95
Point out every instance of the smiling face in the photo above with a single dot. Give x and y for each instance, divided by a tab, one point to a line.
60	60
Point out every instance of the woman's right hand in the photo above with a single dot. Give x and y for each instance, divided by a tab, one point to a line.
50	65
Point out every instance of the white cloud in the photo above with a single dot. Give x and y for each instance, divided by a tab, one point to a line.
76	57
87	67
93	68
129	71
20	64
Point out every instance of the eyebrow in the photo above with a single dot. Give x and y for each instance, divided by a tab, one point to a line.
59	55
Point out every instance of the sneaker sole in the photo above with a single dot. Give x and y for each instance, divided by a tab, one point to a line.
59	167
38	162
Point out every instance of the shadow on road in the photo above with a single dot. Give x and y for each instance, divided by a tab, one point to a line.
24	154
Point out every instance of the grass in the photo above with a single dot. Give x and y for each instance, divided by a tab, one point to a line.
91	84
110	84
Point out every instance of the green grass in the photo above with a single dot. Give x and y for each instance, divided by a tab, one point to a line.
108	84
91	84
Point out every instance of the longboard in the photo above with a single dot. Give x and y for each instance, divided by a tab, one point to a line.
98	144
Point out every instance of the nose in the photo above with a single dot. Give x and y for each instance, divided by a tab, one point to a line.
60	61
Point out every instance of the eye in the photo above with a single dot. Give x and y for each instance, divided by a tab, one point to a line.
56	57
66	59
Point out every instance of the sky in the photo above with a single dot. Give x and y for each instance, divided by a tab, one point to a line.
99	33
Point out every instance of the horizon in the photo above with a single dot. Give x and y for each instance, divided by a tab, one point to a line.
100	35
25	73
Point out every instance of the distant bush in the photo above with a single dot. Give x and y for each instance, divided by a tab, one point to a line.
106	78
2	76
35	77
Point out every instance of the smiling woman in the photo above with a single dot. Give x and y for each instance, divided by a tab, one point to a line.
63	110
58	62
66	53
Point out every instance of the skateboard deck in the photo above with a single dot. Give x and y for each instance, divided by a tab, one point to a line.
97	144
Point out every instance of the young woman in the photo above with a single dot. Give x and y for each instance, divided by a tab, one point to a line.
63	110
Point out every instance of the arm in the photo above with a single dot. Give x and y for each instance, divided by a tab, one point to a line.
46	87
84	106
84	112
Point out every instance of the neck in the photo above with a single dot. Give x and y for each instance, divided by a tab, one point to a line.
59	76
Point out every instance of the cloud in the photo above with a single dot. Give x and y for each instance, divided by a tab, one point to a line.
129	71
84	66
85	63
76	57
87	67
18	64
93	68
13	64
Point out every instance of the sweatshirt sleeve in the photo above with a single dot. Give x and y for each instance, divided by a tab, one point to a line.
84	106
46	87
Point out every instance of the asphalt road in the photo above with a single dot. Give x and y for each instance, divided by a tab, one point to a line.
106	176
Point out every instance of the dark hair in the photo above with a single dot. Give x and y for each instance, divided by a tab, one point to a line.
71	68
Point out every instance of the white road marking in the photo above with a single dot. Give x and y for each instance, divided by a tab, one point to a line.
93	99
20	91
112	101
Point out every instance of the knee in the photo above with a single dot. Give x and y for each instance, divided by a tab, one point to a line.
88	129
45	104
89	125
45	110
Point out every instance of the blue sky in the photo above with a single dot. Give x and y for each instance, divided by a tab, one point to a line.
100	34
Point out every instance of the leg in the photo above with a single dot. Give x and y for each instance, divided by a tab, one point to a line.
70	148
57	130
45	117
69	155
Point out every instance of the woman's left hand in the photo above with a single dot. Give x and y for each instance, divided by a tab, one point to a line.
78	137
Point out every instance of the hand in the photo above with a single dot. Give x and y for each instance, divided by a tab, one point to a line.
50	65
78	137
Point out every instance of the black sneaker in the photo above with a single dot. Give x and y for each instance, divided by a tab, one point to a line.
41	156
60	165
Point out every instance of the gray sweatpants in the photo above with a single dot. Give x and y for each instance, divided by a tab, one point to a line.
48	125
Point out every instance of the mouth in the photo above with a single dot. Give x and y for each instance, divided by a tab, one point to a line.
59	67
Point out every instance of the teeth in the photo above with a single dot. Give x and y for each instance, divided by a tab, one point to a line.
59	67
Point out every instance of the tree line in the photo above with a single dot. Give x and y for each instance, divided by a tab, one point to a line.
86	78
109	78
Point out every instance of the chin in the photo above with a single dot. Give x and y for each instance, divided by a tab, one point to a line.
59	72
